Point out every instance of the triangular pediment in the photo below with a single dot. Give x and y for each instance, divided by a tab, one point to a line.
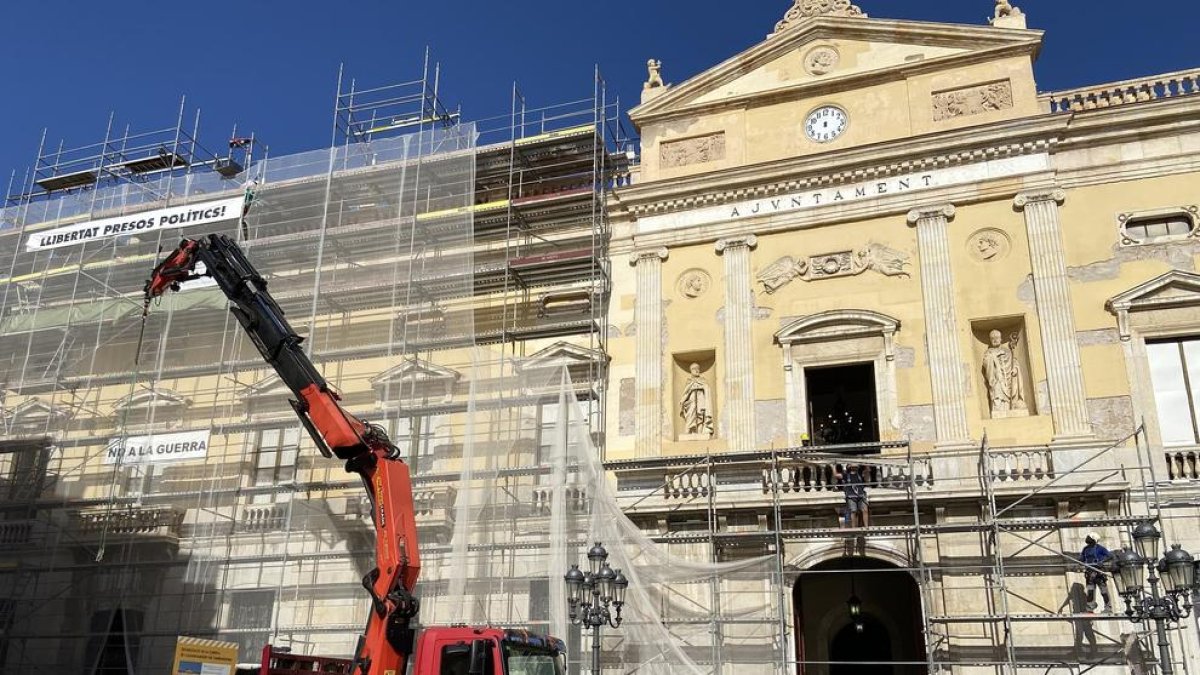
268	386
415	371
152	399
562	354
37	411
825	54
1176	288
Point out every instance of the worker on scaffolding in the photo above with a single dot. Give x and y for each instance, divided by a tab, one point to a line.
854	487
1094	556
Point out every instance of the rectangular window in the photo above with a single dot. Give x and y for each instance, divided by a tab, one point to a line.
1175	375
416	439
553	435
275	461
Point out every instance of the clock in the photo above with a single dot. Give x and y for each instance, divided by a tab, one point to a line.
826	123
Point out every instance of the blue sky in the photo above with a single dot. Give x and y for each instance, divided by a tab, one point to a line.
270	65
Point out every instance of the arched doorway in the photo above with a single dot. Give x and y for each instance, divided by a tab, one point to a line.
883	637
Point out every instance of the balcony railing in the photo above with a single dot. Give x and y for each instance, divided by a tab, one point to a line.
1021	465
128	524
1182	464
1169	85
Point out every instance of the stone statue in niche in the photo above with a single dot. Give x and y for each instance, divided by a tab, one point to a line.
1002	373
695	407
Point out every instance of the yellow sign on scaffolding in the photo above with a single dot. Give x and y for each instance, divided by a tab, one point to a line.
196	656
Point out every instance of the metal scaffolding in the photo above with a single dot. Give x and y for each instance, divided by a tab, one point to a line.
977	547
425	259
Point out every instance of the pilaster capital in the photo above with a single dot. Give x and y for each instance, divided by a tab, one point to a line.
945	211
746	240
1056	195
638	256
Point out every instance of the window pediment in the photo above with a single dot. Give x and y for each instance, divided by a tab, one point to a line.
1173	290
838	324
415	378
152	399
561	354
268	386
36	412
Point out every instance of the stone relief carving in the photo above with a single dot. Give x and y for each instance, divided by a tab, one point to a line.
696	150
693	283
989	245
803	9
1002	376
875	257
695	407
821	60
654	75
972	100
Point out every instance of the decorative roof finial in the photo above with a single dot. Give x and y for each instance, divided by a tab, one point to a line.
1007	16
654	78
803	9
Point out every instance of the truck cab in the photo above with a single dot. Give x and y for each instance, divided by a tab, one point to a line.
443	650
459	650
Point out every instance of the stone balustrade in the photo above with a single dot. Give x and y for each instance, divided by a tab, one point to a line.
818	476
1169	85
576	500
1182	464
15	533
792	477
262	518
130	522
1021	464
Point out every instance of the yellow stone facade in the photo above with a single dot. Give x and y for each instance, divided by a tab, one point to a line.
952	199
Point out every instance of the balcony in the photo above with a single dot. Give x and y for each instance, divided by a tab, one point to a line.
126	525
434	510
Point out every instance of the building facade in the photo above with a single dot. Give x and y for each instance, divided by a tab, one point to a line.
876	241
861	242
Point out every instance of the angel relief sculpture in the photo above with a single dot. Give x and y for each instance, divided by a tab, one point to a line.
875	257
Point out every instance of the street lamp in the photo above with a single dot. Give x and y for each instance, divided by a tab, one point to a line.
595	597
1177	572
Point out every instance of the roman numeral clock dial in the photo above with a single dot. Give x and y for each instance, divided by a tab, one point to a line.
826	123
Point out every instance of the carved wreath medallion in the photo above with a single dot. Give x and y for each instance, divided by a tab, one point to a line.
693	283
821	60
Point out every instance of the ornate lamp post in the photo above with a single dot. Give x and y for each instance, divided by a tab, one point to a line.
1177	574
595	597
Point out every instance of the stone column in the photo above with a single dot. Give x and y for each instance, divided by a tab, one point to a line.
1064	371
739	356
648	367
946	368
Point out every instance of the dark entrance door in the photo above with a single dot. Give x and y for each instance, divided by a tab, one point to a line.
841	404
862	653
889	602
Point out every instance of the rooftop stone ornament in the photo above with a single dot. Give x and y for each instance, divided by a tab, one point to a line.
804	9
1007	16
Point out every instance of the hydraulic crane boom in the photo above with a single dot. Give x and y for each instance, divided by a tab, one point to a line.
387	641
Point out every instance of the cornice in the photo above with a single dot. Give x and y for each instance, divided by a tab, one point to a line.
881	160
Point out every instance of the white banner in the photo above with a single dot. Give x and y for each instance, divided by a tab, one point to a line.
174	217
160	449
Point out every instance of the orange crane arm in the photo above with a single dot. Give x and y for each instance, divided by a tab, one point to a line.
387	641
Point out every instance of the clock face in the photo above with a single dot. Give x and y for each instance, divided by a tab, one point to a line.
826	123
